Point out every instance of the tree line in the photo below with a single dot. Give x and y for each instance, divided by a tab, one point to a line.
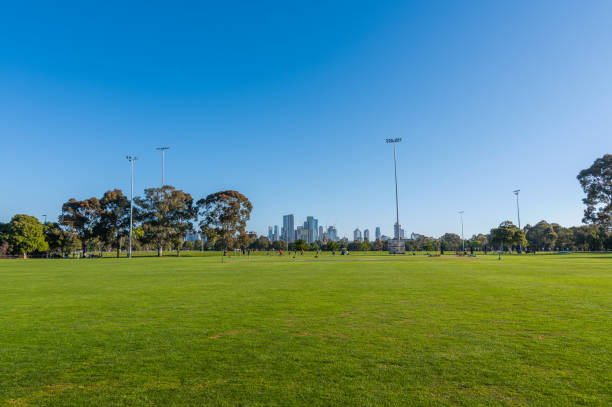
164	216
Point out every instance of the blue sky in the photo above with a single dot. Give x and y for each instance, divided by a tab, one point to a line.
291	103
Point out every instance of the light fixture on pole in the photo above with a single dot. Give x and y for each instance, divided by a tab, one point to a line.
518	214
131	159
462	239
396	246
45	222
163	150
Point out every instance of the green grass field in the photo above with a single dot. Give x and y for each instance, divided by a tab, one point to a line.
355	330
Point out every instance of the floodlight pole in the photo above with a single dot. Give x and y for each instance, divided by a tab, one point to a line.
131	159
518	214
462	239
45	222
394	141
163	150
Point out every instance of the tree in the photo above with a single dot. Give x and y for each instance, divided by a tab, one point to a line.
114	221
225	215
247	240
377	245
4	232
262	243
331	245
507	234
300	244
26	235
565	237
279	245
596	181
81	217
478	241
541	236
451	241
166	215
365	246
4	248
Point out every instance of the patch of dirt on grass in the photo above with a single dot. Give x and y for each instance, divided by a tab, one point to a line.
233	332
546	336
48	391
302	334
406	321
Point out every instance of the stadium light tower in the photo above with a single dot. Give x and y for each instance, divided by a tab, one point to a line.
462	239
518	215
131	159
163	150
398	248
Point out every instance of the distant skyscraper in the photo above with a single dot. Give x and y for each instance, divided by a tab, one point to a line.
396	231
320	233
378	233
288	229
270	234
301	233
312	225
332	233
275	236
366	234
357	235
402	233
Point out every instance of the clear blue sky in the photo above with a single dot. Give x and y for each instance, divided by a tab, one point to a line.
290	104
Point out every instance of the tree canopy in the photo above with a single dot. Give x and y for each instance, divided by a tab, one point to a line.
596	181
26	235
225	215
166	215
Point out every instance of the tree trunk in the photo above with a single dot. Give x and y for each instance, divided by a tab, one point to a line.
178	251
118	249
159	251
25	255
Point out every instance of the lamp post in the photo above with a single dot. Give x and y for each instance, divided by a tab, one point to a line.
396	232
518	214
131	159
462	239
163	150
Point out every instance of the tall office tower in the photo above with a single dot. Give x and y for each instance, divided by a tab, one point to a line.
396	231
366	234
402	233
301	233
288	229
312	225
321	233
378	233
357	235
332	233
270	234
275	235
